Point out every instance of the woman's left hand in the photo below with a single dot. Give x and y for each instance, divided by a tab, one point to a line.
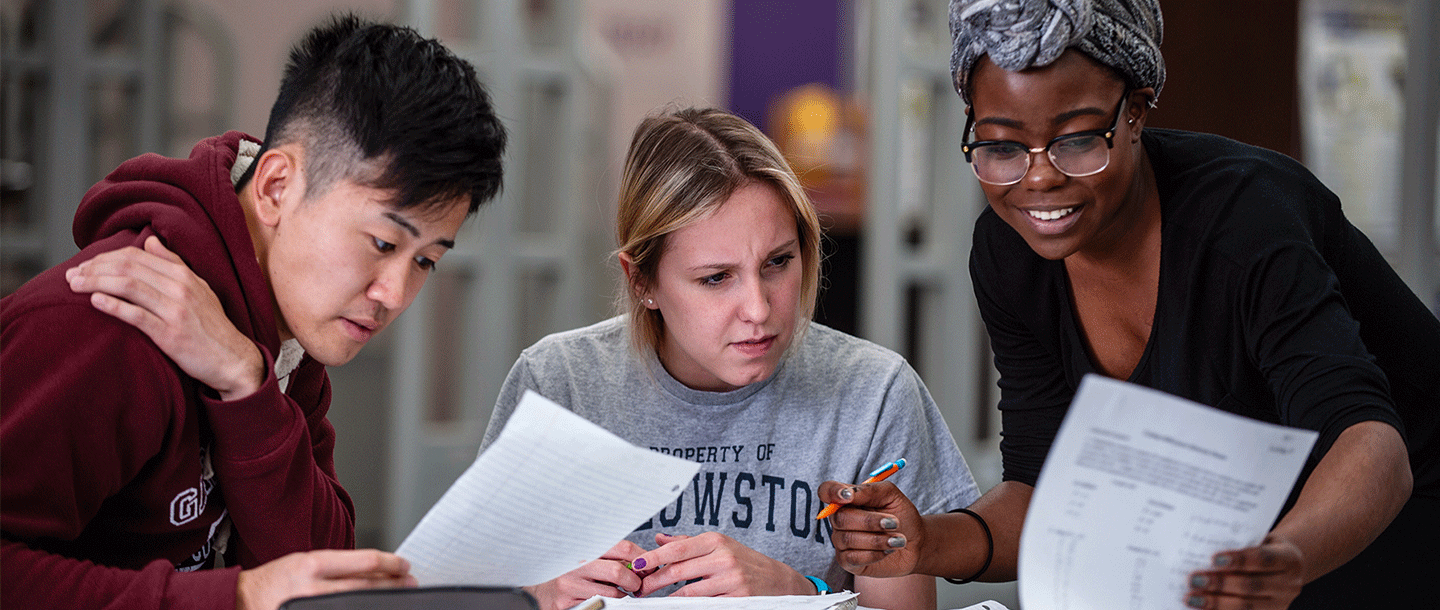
726	569
1257	578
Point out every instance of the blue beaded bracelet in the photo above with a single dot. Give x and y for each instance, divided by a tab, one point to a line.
820	587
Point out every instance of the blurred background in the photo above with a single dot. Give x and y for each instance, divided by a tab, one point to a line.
856	92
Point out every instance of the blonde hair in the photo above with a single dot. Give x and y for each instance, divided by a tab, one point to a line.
682	166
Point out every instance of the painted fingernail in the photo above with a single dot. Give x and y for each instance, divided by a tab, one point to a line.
1222	561
638	564
1199	581
848	493
889	523
896	542
1195	601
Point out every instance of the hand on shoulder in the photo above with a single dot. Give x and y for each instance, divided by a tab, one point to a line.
153	290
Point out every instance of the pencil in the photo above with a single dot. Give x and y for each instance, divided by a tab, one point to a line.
880	474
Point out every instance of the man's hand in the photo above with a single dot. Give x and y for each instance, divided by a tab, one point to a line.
607	576
317	573
727	569
154	291
878	531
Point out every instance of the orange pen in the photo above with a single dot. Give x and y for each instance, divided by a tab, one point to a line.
880	474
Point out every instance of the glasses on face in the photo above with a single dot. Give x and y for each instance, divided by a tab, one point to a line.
1005	162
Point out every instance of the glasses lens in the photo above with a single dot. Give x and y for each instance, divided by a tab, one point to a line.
1000	163
1081	155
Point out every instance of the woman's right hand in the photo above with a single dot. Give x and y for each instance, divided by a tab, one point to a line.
878	531
607	577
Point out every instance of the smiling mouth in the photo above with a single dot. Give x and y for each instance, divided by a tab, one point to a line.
1050	214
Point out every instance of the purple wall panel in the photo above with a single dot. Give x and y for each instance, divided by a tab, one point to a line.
777	45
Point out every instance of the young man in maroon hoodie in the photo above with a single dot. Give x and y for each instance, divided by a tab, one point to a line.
164	443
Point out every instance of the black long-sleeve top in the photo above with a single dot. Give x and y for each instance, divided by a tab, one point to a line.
1271	305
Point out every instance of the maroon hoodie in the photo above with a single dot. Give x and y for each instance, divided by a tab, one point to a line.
106	501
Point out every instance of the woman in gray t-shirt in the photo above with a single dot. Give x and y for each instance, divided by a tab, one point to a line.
715	359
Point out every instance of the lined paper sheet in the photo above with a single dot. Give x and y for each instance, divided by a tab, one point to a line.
1140	489
551	493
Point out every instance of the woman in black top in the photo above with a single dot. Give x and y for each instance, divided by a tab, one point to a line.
1190	263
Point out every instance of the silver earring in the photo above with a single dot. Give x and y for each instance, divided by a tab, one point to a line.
650	302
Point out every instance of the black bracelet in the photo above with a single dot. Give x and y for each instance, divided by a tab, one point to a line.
989	550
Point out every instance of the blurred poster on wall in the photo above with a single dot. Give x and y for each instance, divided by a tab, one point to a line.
1352	75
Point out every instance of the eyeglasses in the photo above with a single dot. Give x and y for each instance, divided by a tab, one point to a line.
1005	162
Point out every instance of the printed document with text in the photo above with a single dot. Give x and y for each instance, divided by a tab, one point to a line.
1141	488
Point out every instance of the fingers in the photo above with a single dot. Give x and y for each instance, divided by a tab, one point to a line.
1267	576
603	574
161	287
347	563
367	581
835	492
857	548
880	543
675	549
154	291
870	532
568	593
153	246
624	551
717	586
858	521
872	495
883	495
154	259
127	312
603	577
130	280
319	572
674	561
1264	558
346	570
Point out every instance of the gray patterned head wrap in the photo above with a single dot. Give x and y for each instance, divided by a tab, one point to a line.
1019	34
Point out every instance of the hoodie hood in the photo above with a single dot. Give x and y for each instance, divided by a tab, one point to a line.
191	205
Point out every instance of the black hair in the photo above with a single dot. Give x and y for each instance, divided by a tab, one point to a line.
380	105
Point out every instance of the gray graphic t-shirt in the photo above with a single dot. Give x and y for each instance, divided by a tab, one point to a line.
836	409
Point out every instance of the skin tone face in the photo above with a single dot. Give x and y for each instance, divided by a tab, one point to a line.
344	264
728	287
1060	215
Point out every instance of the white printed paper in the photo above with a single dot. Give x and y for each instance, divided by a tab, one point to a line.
550	494
1140	489
986	605
835	601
